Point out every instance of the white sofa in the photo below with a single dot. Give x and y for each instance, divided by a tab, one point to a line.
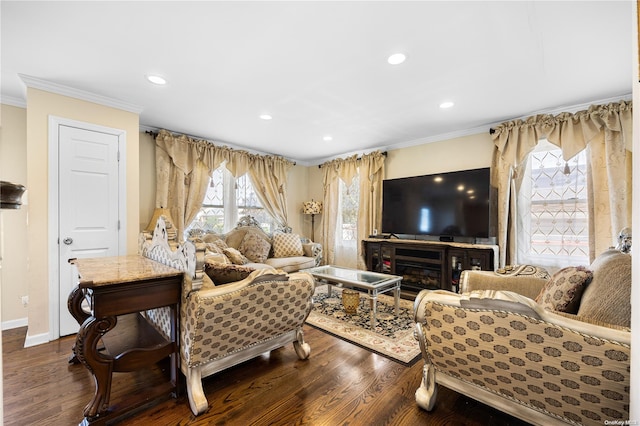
233	256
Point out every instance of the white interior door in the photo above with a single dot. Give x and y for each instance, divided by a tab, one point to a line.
88	204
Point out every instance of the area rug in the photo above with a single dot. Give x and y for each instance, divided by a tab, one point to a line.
393	334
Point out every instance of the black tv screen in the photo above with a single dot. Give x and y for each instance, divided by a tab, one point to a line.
453	205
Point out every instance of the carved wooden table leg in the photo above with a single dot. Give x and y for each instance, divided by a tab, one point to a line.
100	365
74	305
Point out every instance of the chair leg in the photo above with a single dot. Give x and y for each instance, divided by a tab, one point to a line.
428	391
197	400
303	350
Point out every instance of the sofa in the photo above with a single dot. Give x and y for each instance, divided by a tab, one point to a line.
223	325
548	349
233	256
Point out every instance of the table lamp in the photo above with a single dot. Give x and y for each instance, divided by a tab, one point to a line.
313	208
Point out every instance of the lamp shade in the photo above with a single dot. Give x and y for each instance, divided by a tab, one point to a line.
312	207
159	211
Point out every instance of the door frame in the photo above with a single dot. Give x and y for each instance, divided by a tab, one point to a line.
53	207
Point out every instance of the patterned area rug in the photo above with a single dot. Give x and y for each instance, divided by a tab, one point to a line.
392	337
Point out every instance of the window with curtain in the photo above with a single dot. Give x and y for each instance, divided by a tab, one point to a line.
553	209
347	223
227	199
349	196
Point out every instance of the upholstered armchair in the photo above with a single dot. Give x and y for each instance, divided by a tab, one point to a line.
505	341
224	325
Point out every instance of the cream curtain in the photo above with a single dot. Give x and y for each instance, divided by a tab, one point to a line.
370	208
370	170
269	177
181	177
605	131
184	165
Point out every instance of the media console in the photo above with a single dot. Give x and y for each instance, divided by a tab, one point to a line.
429	265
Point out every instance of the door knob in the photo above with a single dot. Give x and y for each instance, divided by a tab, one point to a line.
68	241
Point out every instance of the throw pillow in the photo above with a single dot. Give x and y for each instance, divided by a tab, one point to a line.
212	257
254	248
608	297
564	289
223	274
287	245
235	256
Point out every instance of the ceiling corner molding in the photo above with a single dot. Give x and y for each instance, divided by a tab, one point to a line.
13	101
48	86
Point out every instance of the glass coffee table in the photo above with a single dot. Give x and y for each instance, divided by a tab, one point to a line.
374	283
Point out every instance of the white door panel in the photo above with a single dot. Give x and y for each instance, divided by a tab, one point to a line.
88	205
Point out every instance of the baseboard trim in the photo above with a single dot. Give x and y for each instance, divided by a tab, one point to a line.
16	323
36	340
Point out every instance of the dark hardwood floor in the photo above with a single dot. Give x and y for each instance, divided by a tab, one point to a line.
340	384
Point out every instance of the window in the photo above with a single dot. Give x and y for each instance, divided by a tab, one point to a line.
227	199
553	212
349	202
346	234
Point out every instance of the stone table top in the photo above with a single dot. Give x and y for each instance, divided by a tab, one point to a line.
103	271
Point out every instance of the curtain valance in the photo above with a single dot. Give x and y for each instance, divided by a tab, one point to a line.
572	132
184	152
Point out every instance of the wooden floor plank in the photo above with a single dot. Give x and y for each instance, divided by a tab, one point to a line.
340	384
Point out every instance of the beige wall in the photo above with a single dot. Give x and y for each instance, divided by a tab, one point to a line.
469	152
147	178
13	223
41	105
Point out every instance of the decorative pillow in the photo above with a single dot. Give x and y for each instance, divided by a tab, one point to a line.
221	244
608	298
287	245
235	256
521	270
213	248
254	248
212	257
564	289
223	274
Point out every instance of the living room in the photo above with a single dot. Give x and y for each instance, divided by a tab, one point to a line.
25	161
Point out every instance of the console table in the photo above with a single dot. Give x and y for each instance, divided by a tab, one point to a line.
119	288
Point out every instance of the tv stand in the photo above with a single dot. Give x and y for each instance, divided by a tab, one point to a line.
432	265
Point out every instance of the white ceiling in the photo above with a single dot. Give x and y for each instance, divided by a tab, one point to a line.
319	68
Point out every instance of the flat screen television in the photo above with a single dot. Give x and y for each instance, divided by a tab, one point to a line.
451	206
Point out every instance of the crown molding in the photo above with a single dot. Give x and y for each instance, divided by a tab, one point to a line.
484	129
48	86
13	101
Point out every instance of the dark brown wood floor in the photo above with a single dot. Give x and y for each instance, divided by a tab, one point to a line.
340	384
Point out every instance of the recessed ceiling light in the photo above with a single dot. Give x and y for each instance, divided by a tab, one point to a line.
396	58
327	138
446	105
156	79
265	117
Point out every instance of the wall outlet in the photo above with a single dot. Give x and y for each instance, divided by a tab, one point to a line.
25	300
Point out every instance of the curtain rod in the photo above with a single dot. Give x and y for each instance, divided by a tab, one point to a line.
155	134
357	159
